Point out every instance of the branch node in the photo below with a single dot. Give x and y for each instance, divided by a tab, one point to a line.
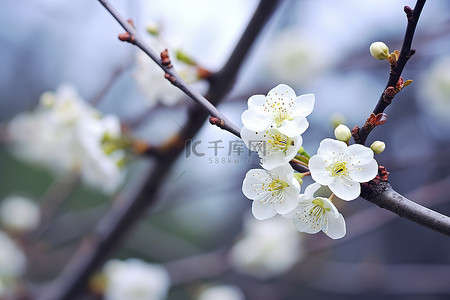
389	94
171	78
376	186
355	133
165	59
409	13
126	37
130	21
411	53
216	121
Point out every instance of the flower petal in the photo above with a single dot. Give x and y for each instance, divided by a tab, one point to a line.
256	120
311	189
303	105
317	166
330	149
281	91
292	150
335	227
252	181
364	173
256	101
345	189
360	154
272	161
303	221
295	127
263	211
288	204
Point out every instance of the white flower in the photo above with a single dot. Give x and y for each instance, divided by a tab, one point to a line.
267	248
273	147
379	50
315	213
281	109
65	134
154	86
12	259
221	292
343	167
135	279
150	78
272	192
19	213
100	169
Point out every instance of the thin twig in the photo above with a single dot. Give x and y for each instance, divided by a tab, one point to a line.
171	75
360	134
95	101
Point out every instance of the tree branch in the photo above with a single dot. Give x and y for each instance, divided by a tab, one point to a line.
380	192
396	203
165	64
127	210
360	134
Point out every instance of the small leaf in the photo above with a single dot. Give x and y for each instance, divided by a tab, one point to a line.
407	82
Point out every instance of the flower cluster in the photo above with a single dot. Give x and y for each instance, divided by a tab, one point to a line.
65	133
273	125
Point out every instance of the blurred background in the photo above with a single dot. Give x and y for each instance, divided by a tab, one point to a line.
201	230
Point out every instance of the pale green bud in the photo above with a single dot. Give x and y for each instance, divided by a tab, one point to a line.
152	28
379	50
342	133
378	147
47	99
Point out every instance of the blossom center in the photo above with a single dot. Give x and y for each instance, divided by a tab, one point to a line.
280	108
280	141
318	211
276	186
338	169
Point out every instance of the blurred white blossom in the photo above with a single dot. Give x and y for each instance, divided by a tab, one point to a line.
18	213
65	133
221	292
12	263
434	92
134	279
294	57
267	248
150	77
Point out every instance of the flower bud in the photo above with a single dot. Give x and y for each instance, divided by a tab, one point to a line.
299	177
152	29
378	147
379	50
342	133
